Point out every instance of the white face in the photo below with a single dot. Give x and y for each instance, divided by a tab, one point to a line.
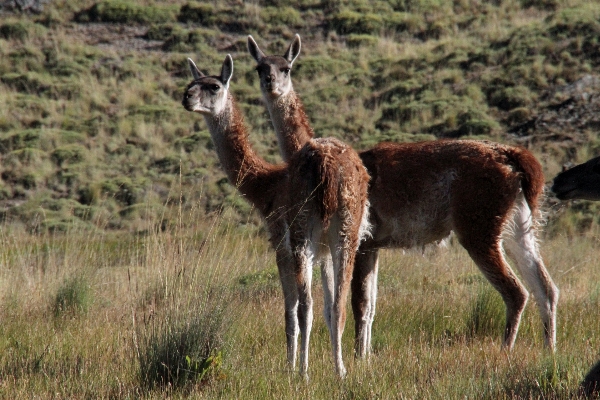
206	95
274	71
274	75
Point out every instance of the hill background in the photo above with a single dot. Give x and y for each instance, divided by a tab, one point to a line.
92	132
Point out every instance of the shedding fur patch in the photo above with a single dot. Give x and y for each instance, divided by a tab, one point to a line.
365	229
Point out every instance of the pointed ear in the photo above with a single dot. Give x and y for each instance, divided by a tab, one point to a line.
227	70
294	50
254	51
195	71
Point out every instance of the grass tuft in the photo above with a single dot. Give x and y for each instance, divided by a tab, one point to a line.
487	315
73	297
185	347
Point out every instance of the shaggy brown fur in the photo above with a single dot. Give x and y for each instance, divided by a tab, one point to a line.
293	135
319	199
420	192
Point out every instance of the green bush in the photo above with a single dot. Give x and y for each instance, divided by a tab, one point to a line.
354	40
123	190
14	30
549	5
200	13
24	139
281	15
71	154
511	97
179	352
124	12
27	83
348	21
74	296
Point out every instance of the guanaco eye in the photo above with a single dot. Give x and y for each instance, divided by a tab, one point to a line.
285	71
213	88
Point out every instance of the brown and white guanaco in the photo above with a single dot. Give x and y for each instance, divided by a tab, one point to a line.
486	193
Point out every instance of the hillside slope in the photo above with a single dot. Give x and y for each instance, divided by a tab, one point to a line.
92	132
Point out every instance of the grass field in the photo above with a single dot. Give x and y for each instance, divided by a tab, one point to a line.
130	267
86	316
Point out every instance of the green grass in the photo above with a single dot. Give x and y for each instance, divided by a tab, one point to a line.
196	311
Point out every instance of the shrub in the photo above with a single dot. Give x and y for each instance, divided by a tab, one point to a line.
179	352
14	30
71	154
405	22
200	13
347	21
511	97
27	83
125	13
24	139
73	296
122	189
160	31
549	5
192	142
354	40
167	165
281	15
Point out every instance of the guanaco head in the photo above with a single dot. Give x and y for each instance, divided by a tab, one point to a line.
274	71
579	182
208	94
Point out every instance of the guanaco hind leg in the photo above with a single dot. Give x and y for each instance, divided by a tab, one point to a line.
364	298
522	247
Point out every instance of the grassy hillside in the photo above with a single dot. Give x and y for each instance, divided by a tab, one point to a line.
95	146
92	132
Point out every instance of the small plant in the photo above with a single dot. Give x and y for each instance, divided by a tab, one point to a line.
125	12
73	296
178	352
487	315
14	30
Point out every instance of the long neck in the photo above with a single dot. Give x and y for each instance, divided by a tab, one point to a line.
254	177
291	123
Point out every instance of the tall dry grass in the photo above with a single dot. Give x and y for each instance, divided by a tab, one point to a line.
211	285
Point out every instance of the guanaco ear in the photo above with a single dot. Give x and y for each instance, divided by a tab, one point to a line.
294	50
254	51
227	71
195	71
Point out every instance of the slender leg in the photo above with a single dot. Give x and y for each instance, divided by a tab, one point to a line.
491	262
364	298
522	248
327	282
303	257
343	245
285	265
